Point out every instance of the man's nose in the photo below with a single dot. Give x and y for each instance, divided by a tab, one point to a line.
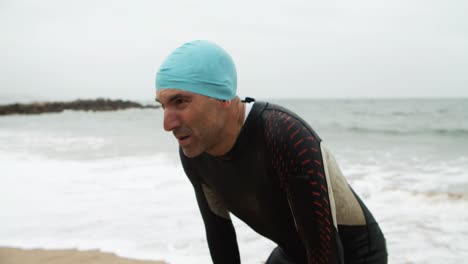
171	120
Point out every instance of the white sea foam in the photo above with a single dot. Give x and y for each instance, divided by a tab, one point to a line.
136	207
145	208
424	226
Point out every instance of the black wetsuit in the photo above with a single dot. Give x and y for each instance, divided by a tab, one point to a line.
281	180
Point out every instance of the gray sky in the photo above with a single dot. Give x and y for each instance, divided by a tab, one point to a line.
61	50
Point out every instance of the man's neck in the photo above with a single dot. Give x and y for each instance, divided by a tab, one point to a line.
231	131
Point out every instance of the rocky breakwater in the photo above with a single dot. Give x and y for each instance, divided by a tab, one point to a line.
80	105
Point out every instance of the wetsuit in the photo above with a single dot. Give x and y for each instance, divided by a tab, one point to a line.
281	180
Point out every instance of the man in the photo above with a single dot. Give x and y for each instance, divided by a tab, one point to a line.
262	163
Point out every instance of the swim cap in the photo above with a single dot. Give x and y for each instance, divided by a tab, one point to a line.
200	67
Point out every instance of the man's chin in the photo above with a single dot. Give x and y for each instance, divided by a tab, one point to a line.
191	153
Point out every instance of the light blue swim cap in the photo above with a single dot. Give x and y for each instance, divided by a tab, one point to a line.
200	67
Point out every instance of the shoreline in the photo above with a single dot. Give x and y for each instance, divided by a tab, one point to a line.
12	255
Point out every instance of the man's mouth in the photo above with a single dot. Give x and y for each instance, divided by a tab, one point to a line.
182	139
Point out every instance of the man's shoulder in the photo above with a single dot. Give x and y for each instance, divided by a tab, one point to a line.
277	115
273	110
264	109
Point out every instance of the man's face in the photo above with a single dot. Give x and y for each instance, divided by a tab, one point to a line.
193	119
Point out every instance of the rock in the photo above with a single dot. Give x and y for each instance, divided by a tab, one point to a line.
81	105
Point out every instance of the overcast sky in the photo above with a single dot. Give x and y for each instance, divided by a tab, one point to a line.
61	50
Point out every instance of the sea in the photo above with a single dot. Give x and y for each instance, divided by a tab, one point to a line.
113	181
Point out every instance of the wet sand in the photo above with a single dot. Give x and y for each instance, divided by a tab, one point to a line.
66	256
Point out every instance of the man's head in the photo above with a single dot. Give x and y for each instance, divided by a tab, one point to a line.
200	67
195	86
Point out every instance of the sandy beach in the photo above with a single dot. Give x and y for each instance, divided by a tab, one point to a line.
66	256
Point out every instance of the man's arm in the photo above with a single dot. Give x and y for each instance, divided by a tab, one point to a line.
220	232
297	160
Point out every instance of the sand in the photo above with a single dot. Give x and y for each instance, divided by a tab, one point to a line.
67	256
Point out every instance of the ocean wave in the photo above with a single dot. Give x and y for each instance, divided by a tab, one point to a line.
442	195
387	114
403	113
457	132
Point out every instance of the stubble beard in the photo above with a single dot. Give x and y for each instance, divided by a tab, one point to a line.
202	142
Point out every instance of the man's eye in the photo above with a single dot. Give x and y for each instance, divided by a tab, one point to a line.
180	102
